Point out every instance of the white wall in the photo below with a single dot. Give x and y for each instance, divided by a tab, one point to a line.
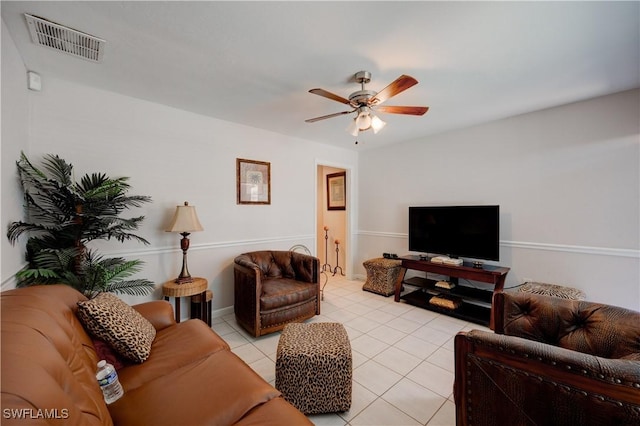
567	180
176	156
15	115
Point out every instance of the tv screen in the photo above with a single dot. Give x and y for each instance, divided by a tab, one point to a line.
456	231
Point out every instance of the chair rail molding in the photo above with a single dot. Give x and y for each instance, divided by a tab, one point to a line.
210	246
527	245
9	282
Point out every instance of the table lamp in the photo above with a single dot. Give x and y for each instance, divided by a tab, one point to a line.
184	222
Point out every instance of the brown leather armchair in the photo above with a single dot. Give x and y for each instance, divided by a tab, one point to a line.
552	361
274	288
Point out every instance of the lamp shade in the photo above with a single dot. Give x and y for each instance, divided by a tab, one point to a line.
353	128
363	120
377	124
185	220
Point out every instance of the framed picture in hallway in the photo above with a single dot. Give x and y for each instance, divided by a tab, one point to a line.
336	193
253	181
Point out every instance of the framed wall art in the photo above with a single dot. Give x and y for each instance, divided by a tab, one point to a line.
253	181
336	194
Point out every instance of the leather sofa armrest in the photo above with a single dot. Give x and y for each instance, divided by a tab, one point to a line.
612	379
246	261
249	271
247	288
158	312
247	278
510	380
306	267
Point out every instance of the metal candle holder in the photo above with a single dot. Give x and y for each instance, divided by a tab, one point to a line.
326	244
335	270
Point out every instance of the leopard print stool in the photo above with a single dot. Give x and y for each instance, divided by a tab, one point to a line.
381	275
552	290
314	367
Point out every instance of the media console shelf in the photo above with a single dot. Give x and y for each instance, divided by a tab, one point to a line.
476	302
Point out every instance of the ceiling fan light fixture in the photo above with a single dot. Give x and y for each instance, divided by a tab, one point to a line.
363	102
363	120
352	129
377	124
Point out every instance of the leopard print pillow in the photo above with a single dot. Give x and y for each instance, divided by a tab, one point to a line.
108	318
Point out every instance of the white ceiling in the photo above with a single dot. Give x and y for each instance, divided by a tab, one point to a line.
254	62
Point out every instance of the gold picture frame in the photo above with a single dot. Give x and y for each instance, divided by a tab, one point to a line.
336	193
253	181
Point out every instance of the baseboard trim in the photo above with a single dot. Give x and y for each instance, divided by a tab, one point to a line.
222	312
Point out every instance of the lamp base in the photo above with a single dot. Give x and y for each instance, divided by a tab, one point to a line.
185	276
183	280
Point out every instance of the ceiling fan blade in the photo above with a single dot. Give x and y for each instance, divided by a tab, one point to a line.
411	110
401	84
324	117
329	95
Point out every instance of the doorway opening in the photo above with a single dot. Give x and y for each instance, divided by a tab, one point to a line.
332	223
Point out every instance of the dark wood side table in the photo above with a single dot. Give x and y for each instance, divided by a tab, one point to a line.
196	307
175	290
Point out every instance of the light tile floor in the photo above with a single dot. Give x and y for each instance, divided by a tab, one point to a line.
403	361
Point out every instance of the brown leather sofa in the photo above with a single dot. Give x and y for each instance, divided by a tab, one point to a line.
190	378
274	288
552	361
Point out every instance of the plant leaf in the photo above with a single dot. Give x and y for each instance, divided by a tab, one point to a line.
62	216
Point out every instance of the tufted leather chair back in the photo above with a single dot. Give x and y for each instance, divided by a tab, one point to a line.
281	264
592	328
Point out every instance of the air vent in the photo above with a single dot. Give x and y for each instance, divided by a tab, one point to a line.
58	37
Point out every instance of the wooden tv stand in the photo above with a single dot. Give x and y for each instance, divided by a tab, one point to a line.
476	302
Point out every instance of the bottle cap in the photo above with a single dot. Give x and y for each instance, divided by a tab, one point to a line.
102	363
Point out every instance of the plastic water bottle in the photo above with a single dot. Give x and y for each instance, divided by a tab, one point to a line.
108	380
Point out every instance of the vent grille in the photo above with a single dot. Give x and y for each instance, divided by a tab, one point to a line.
64	39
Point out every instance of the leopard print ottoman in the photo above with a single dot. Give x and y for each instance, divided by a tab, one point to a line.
314	367
381	275
552	290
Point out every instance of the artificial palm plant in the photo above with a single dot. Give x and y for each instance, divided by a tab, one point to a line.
62	216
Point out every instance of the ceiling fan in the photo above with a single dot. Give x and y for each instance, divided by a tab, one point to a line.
365	102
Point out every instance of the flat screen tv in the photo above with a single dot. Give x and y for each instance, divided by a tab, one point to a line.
456	231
